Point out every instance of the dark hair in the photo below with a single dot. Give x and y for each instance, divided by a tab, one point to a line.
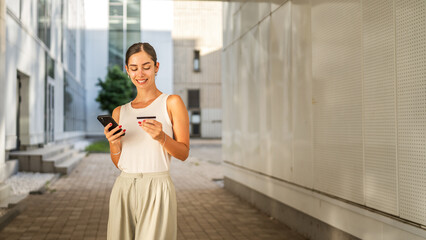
139	47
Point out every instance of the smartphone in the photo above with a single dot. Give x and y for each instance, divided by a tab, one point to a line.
106	119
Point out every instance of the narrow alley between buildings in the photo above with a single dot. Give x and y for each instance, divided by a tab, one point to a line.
76	206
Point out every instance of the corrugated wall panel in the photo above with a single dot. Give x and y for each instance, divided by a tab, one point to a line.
249	103
265	105
379	105
337	98
411	82
368	100
301	66
281	95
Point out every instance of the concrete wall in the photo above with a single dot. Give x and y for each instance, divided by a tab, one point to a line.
324	110
198	26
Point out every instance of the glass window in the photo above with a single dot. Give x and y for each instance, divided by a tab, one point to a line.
116	41
44	22
116	24
133	37
116	10
194	99
50	65
133	25
197	61
133	10
74	104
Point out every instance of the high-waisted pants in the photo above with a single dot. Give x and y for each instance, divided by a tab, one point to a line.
142	207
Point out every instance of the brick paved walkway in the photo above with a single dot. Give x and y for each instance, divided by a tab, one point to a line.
76	206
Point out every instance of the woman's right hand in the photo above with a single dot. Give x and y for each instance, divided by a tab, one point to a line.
113	139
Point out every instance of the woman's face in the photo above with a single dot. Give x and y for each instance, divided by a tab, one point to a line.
142	70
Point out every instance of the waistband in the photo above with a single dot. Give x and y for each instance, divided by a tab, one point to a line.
142	175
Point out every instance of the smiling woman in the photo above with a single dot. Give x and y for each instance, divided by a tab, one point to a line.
143	202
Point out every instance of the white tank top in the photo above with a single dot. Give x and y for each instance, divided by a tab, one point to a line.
140	153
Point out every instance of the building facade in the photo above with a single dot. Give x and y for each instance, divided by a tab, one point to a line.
44	74
325	116
112	27
197	50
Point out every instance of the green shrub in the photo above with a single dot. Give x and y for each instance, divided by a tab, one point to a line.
116	90
101	146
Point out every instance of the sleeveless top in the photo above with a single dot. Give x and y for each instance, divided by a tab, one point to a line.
140	153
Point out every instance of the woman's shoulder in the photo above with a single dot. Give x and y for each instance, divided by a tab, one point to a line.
174	99
175	103
117	109
116	113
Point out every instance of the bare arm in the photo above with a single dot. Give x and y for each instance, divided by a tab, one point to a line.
179	146
114	140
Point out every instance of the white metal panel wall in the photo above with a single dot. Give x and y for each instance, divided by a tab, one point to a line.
411	111
249	107
368	105
337	98
379	91
227	108
281	95
265	105
235	118
301	75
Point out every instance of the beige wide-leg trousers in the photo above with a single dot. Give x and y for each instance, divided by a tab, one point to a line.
142	207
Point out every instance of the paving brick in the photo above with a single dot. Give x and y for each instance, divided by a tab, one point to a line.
78	208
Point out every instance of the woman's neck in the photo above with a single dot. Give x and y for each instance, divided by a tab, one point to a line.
144	96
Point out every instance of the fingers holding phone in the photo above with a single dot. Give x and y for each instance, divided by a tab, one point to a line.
112	131
114	134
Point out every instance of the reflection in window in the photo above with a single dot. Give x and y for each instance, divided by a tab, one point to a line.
44	23
115	33
124	29
50	66
74	104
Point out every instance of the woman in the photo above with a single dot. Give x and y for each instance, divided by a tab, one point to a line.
156	127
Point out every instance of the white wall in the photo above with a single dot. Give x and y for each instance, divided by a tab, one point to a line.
326	96
3	109
157	24
26	54
96	59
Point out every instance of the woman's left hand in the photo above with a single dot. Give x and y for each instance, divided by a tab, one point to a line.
153	128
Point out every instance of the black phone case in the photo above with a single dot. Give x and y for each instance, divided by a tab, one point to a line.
106	119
